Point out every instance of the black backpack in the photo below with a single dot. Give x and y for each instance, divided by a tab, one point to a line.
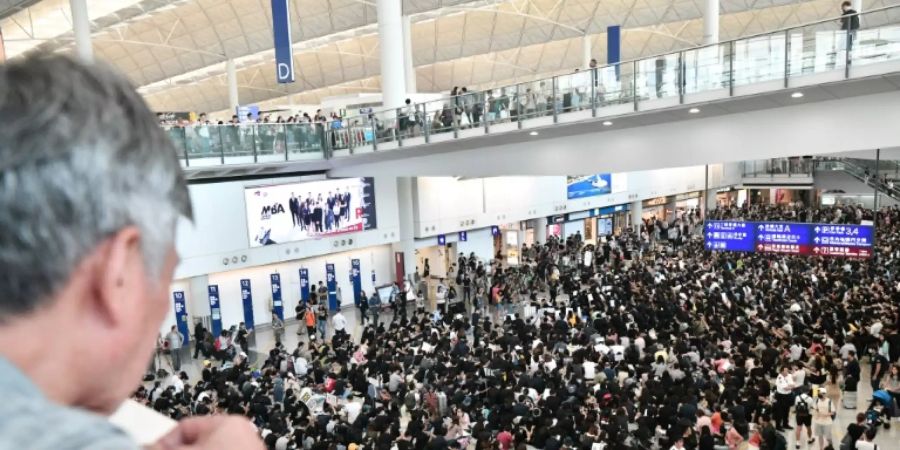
802	407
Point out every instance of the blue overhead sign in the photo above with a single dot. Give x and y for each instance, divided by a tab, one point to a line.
790	238
284	52
732	236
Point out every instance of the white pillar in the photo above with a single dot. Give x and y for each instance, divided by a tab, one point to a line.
231	75
637	214
390	42
407	241
81	28
711	22
710	201
540	230
857	5
408	66
586	49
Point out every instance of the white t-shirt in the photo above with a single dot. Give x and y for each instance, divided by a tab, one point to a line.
590	370
784	384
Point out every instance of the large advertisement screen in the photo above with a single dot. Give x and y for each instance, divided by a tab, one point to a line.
596	184
308	210
854	241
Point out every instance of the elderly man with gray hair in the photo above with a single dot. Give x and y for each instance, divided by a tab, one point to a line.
90	193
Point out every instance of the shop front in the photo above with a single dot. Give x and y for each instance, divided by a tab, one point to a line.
687	202
655	209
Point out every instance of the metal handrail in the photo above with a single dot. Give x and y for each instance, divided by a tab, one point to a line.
643	58
604	87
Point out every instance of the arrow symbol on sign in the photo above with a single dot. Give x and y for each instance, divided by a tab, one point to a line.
761	227
817	229
709	235
816	240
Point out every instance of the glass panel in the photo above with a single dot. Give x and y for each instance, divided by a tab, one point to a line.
497	105
759	59
269	141
657	77
875	45
817	48
439	116
410	122
304	139
574	91
706	69
177	135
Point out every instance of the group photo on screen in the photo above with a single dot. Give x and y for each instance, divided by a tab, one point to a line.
299	211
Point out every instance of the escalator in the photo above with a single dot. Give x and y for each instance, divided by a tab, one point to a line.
864	170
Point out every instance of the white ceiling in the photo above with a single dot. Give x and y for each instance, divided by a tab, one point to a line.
175	49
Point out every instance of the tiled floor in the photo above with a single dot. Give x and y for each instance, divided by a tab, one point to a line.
887	439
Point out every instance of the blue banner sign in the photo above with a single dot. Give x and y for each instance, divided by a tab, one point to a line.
790	238
463	236
442	239
181	318
356	280
284	52
304	286
277	304
215	310
247	299
331	284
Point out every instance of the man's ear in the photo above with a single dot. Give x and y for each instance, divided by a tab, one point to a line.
122	273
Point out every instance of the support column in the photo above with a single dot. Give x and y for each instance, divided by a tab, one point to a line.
637	214
586	49
711	22
408	66
710	201
857	5
231	75
407	242
540	230
81	28
390	42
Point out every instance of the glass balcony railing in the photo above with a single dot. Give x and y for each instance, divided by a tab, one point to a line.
779	168
810	54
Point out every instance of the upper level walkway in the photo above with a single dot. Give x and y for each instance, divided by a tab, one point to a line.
744	75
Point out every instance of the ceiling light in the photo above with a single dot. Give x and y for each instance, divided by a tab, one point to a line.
533	133
607	123
694	110
797	95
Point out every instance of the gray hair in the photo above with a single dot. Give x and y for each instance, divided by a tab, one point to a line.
81	157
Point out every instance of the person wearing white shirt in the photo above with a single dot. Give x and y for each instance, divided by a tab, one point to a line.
352	408
340	323
846	349
823	417
784	390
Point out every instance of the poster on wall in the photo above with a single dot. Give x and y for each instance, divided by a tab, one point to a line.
309	210
593	185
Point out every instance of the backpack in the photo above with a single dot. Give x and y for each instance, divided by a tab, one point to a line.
802	407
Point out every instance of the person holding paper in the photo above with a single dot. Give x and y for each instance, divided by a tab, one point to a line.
90	193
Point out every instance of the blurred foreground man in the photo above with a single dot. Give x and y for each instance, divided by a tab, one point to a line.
90	192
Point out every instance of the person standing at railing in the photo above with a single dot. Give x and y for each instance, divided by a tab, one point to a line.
849	23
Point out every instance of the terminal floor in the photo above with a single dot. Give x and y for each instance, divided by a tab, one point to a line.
263	340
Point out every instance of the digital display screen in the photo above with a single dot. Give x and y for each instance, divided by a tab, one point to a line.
308	210
789	238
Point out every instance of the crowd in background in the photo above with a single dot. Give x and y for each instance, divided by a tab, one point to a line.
641	342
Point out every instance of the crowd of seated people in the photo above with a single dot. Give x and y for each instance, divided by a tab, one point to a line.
647	346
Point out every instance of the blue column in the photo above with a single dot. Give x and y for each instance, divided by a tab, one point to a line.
215	310
247	299
181	318
277	304
356	280
331	283
304	286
